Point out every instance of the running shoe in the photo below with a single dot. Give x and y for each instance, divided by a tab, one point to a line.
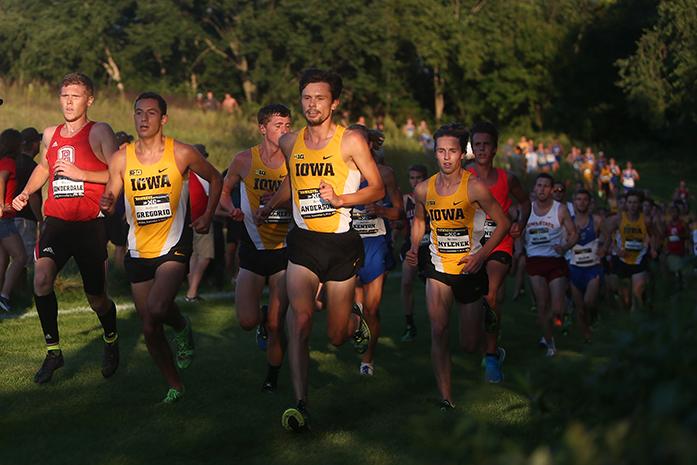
52	362
269	385
542	343
184	340
194	300
361	338
366	369
5	304
262	334
500	351
551	349
492	371
445	405
173	395
296	418
110	360
409	333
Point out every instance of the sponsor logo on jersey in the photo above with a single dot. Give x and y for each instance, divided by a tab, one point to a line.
150	182
446	214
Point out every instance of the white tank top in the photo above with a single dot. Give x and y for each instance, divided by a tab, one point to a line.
542	233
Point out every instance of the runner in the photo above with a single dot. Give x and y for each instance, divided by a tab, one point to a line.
585	269
263	254
325	163
152	172
452	199
73	160
503	186
372	223
30	217
634	244
417	174
545	249
629	177
677	235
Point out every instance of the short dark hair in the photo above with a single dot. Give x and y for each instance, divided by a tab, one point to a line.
485	127
635	193
584	192
10	143
313	75
152	96
545	176
421	169
78	79
269	111
457	130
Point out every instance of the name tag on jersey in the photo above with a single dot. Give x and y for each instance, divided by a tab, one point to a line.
539	235
278	216
453	240
634	246
584	256
312	205
152	209
367	225
489	228
65	188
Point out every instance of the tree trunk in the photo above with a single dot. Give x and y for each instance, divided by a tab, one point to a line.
113	70
439	93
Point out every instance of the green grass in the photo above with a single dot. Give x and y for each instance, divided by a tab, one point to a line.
391	418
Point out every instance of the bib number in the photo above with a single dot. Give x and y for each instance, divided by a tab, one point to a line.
66	188
278	216
453	240
539	236
312	205
367	225
584	256
489	228
634	246
151	209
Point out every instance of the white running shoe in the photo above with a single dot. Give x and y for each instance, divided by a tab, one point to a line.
366	369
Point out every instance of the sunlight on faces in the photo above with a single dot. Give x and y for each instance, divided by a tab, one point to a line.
75	100
275	128
483	148
148	118
317	103
543	189
449	154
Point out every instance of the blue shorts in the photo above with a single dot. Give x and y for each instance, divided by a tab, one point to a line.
582	275
7	228
378	258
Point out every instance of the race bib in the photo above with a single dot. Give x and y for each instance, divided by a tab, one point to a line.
539	235
312	205
278	216
367	225
425	239
489	228
65	188
634	246
152	209
584	256
674	238
628	183
453	240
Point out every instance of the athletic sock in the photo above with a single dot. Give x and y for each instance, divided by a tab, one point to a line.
47	308
108	321
272	373
410	319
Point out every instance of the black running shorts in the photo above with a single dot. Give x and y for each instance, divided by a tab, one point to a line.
139	270
501	257
331	256
467	288
85	241
262	262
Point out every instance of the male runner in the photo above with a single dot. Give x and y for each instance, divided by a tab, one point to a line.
585	269
152	172
74	157
452	199
545	251
502	185
417	174
634	241
372	223
263	254
325	165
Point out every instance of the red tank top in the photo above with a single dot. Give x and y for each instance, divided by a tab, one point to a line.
500	192
67	199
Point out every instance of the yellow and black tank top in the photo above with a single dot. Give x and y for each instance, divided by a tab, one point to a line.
307	168
632	238
156	198
261	179
457	226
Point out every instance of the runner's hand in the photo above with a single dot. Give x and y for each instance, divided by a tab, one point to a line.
326	192
516	230
67	169
236	214
373	209
412	257
558	249
261	214
106	203
20	201
201	224
472	262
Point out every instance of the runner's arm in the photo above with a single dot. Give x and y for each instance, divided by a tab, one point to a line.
396	211
114	185
568	224
195	162
39	175
524	208
603	242
232	179
4	176
418	225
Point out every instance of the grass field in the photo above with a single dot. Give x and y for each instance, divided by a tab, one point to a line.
391	418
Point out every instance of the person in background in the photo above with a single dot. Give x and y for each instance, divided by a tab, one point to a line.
409	128
29	218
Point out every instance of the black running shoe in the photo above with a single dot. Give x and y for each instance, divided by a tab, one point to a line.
296	419
110	361
361	338
269	385
52	362
446	406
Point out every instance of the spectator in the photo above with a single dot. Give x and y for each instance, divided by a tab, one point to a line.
28	219
425	138
211	104
531	160
409	128
682	194
230	104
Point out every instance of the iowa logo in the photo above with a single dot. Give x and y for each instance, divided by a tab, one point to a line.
150	182
314	169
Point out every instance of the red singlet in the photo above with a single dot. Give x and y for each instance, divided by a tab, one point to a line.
71	200
500	192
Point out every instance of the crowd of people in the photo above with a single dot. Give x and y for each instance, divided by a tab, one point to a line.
315	215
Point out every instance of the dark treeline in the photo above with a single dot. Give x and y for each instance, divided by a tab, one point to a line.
598	70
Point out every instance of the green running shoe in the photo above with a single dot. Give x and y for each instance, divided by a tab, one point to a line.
361	338
296	419
184	340
172	396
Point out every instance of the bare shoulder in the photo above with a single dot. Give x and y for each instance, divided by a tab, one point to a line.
48	134
185	150
420	191
241	162
352	137
287	141
387	172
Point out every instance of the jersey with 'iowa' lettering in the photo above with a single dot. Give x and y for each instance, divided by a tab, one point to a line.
632	237
310	166
261	179
156	198
456	226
